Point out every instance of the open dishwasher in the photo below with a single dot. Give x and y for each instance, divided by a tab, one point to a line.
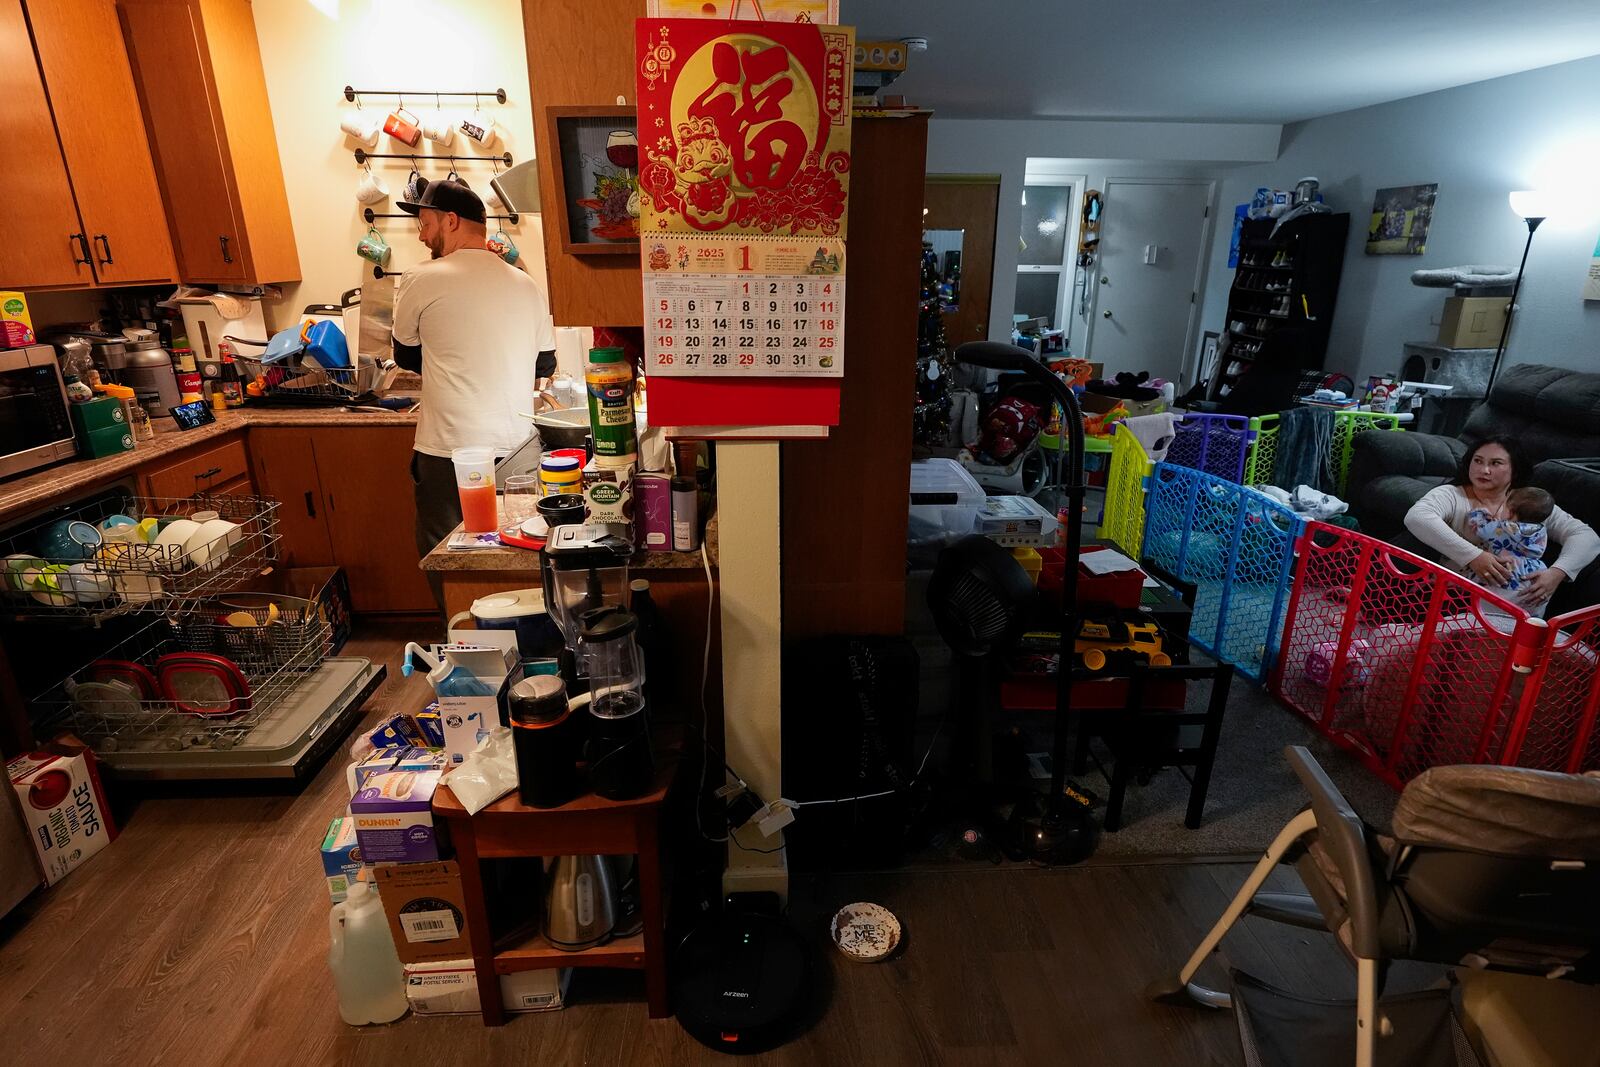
177	657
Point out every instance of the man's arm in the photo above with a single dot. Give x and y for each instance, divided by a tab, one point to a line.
409	357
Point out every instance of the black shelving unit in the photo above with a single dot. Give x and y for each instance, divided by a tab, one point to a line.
1280	310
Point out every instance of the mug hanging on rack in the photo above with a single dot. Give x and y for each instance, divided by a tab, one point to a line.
454	177
373	247
371	188
403	126
415	183
480	128
362	128
440	129
500	244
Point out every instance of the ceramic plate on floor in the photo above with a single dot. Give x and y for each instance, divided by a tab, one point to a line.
866	932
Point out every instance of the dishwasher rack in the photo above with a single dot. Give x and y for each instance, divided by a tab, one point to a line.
274	658
95	582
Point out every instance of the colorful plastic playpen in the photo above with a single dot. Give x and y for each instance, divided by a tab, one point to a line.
1403	662
1347	426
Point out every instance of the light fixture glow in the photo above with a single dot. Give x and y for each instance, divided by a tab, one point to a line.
1533	203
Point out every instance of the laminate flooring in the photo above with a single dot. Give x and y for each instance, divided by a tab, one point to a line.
200	937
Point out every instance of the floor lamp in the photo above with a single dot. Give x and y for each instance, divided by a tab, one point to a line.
1534	207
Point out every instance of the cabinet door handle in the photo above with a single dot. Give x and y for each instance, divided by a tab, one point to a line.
105	247
212	473
227	257
82	256
311	507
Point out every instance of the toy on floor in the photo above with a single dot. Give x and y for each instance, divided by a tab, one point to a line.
1104	641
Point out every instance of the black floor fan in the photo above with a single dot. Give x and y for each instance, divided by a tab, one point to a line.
1062	832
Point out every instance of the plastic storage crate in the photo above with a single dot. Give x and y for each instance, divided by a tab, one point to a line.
1123	520
1403	662
1237	546
1347	425
1216	444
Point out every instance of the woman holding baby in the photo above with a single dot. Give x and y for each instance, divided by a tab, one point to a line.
1492	526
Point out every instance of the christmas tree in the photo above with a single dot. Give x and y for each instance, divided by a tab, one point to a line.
930	421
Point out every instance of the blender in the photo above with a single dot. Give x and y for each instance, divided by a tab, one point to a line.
584	568
621	765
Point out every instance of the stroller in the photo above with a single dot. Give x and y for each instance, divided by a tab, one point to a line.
1488	868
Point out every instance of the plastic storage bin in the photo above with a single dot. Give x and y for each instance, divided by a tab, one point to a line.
943	496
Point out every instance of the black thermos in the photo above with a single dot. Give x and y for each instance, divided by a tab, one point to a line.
548	741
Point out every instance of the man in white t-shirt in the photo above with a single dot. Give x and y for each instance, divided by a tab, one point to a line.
478	330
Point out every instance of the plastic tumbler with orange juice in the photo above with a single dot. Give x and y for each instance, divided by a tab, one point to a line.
475	484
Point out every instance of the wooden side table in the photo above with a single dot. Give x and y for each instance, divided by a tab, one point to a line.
588	825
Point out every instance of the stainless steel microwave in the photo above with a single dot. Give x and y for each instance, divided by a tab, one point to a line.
35	426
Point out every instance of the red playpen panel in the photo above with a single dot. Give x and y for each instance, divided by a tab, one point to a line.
1558	732
1403	662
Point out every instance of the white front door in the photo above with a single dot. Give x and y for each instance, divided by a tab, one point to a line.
1153	238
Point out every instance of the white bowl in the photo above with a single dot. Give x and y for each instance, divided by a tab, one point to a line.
212	542
136	587
87	583
173	540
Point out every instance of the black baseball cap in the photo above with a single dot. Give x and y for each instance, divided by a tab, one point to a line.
445	195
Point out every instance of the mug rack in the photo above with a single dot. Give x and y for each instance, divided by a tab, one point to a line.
370	215
498	94
362	155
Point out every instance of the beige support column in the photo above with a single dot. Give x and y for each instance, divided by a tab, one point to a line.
749	542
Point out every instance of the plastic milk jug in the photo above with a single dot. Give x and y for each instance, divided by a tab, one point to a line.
366	971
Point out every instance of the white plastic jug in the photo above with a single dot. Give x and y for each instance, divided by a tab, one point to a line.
366	971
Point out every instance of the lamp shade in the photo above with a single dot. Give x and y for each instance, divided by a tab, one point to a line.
1533	203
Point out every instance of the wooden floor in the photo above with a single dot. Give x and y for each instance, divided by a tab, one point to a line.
200	936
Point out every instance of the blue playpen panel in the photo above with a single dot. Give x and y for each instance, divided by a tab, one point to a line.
1237	547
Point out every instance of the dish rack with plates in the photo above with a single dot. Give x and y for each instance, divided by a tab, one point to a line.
88	564
268	661
300	379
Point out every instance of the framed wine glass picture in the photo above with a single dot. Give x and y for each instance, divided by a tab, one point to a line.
596	171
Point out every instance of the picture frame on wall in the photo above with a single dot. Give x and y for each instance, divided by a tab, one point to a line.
1400	219
1208	356
596	172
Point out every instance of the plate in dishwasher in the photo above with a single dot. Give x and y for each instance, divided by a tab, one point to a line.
285	744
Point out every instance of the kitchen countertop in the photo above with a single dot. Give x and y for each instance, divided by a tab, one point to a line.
41	487
524	559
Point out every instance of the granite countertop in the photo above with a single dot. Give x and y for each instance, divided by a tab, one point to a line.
42	487
508	558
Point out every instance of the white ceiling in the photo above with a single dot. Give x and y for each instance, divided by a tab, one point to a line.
1213	60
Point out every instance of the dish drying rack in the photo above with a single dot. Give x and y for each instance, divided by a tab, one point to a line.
307	381
141	576
274	657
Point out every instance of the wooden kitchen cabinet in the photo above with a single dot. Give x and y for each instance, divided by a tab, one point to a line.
197	66
286	470
372	515
90	216
347	501
96	108
206	471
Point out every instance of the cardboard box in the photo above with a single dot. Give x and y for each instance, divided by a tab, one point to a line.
468	719
654	492
63	805
1473	321
341	857
450	987
111	441
16	325
405	759
427	911
101	414
393	813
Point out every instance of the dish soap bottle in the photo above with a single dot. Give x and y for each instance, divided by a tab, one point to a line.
361	955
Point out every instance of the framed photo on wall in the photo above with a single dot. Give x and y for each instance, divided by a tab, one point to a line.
1400	220
596	171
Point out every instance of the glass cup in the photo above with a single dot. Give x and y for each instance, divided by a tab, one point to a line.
475	484
520	503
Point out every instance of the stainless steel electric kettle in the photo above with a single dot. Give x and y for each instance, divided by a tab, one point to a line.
580	902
